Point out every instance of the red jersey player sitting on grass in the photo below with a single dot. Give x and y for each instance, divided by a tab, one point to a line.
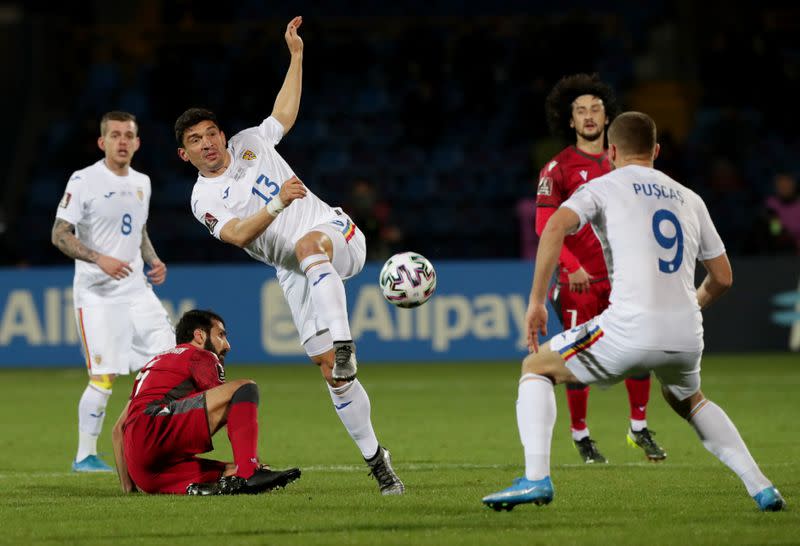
180	399
580	107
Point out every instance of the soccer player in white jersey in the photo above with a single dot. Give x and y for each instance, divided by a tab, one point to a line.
248	196
101	223
653	230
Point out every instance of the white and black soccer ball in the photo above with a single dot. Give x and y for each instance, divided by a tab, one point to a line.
407	280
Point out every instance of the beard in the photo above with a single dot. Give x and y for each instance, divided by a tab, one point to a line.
590	137
208	346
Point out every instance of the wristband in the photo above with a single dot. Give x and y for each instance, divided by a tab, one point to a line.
275	206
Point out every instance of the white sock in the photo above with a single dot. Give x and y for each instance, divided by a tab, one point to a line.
720	437
91	414
638	425
536	416
352	406
578	435
328	296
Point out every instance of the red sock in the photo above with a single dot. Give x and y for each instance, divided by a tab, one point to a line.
243	429
638	396
577	400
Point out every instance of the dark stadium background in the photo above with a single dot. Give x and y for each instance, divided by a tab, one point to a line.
424	119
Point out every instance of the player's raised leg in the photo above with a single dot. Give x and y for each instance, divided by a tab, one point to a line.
639	435
720	436
314	253
536	417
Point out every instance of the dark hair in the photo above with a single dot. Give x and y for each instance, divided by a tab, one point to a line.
192	117
633	133
116	115
191	321
558	105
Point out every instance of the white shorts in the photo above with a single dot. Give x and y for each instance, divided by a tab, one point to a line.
595	356
122	337
349	255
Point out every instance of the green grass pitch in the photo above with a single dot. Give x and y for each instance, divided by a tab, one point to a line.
452	432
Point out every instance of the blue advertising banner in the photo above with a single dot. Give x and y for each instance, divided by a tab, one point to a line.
477	313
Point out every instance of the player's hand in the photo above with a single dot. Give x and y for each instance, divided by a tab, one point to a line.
579	281
293	39
114	268
158	272
292	189
535	322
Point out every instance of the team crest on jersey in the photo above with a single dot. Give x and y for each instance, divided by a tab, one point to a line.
545	186
584	174
552	165
98	359
65	200
210	221
140	194
249	155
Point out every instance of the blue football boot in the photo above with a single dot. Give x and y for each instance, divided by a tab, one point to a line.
523	491
769	500
92	463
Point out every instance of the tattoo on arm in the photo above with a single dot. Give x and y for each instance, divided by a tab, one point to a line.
63	237
148	252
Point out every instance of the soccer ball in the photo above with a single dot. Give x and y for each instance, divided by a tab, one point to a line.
407	280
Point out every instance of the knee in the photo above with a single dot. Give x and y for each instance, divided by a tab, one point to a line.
307	246
247	392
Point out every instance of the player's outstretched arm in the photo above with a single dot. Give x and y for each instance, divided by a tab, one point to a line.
287	103
63	237
125	480
562	222
243	231
158	269
717	282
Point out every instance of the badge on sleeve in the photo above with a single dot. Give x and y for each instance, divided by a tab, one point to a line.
545	186
65	200
210	222
249	155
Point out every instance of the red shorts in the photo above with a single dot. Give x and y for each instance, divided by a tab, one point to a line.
578	308
160	447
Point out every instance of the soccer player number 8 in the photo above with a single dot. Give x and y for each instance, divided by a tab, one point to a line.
667	241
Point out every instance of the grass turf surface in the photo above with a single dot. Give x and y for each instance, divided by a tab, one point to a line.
452	432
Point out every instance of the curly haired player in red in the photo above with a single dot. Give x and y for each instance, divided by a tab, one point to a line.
580	107
180	399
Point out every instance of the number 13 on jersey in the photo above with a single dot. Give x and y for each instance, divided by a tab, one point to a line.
667	240
272	188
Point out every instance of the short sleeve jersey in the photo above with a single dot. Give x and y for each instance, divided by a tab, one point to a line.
172	375
252	180
653	230
108	212
558	180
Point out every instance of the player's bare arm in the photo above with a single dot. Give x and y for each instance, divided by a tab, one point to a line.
563	222
287	103
63	237
158	269
125	481
717	282
243	231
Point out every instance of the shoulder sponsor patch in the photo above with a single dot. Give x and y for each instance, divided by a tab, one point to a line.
545	186
249	155
65	200
210	221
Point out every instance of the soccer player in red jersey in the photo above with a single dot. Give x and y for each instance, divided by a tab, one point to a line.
581	106
180	399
